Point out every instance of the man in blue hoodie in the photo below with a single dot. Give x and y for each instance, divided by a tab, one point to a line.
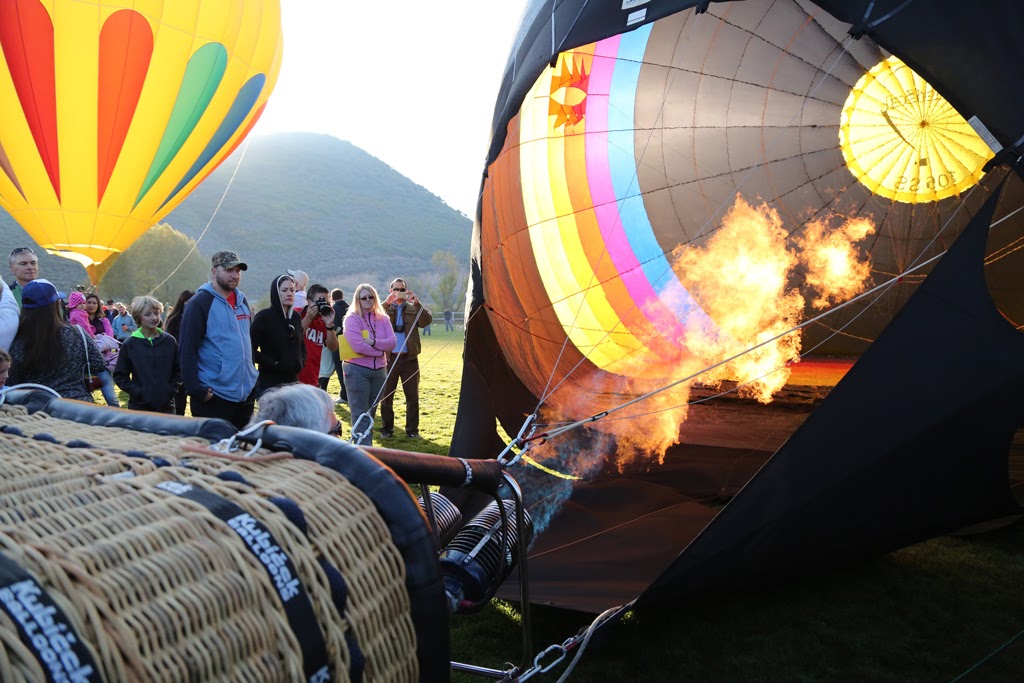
216	351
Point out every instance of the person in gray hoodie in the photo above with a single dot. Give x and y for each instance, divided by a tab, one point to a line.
216	348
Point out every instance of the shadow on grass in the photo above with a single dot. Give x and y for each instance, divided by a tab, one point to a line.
929	612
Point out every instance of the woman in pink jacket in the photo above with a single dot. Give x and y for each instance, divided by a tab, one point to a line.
368	331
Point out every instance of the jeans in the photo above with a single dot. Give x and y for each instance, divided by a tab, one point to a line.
364	388
109	392
339	369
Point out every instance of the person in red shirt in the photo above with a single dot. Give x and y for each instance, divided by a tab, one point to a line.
319	330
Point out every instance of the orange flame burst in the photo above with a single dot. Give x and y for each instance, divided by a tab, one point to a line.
833	268
747	279
740	278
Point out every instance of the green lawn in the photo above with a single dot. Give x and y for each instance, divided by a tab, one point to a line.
926	613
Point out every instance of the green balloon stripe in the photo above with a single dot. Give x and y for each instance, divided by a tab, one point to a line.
202	77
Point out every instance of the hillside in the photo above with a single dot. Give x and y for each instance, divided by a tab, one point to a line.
306	201
313	202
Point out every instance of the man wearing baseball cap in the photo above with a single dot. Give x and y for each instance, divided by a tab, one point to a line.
216	351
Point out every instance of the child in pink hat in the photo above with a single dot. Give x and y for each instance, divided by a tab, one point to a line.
77	314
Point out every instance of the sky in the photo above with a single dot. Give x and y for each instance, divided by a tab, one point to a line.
411	82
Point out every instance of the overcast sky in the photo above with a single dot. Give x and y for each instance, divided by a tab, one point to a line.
411	82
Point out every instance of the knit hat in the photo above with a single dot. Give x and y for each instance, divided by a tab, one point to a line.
75	300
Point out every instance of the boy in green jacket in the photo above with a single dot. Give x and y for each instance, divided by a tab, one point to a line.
147	366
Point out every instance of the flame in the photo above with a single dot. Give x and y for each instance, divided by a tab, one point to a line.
747	278
831	260
741	279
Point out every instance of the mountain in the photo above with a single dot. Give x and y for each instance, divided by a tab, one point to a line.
310	202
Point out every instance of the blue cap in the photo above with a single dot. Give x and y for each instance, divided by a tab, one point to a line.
39	293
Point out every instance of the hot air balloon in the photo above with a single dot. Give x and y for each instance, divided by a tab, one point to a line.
113	113
746	287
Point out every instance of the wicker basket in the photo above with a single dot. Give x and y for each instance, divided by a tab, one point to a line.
160	588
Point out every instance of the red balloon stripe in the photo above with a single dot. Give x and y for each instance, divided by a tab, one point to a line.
26	36
126	48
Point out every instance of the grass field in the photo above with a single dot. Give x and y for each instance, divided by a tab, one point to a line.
930	612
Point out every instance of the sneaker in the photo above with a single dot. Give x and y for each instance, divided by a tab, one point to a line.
386	434
412	435
340	402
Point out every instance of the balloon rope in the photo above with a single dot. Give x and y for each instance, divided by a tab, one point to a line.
594	418
771	144
195	245
429	360
436	279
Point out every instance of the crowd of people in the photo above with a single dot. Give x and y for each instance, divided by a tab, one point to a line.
211	351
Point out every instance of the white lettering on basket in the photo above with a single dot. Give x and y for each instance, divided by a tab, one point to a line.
322	675
175	487
271	555
51	639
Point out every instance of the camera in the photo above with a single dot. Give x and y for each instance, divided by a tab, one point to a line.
322	306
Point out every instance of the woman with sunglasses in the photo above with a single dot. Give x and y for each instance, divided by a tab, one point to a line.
368	331
276	333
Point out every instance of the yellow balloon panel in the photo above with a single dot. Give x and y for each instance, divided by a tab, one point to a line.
904	141
113	114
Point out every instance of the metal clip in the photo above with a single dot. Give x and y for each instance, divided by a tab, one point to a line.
546	668
234	443
525	432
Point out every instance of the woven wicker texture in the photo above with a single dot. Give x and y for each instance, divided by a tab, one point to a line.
163	590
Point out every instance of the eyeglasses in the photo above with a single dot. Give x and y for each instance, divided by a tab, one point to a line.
336	429
366	298
21	250
398	289
291	332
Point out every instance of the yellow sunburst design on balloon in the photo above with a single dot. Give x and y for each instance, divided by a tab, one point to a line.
904	141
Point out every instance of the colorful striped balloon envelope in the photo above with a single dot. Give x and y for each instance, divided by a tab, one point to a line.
114	112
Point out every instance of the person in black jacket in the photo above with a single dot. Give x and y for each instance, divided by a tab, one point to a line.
340	311
278	346
147	367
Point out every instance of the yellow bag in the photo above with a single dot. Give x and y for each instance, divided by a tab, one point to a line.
345	351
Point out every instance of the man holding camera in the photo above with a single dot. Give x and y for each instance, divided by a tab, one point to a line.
319	330
408	316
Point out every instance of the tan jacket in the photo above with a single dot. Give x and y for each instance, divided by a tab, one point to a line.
412	324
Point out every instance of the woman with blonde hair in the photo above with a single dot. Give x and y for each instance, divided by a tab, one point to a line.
368	331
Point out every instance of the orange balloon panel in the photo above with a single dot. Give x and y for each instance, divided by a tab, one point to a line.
112	115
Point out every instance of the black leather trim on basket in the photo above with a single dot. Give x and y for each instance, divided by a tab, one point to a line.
409	533
44	628
211	429
279	567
